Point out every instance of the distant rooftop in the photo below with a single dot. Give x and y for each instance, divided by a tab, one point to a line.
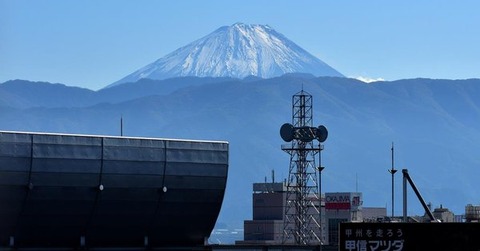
269	187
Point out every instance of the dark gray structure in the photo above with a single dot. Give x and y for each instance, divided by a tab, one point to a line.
59	190
266	227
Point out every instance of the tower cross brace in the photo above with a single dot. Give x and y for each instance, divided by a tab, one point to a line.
302	224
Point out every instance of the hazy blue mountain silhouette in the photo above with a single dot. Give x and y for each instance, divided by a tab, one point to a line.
434	124
27	94
146	87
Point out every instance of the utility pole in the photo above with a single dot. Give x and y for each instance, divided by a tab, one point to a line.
393	171
320	169
121	125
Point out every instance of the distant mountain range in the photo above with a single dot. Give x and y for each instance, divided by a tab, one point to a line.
235	51
434	124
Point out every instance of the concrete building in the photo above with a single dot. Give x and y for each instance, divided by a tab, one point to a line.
269	201
472	213
341	207
374	214
267	225
443	214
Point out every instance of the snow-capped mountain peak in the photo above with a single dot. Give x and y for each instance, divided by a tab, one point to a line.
237	51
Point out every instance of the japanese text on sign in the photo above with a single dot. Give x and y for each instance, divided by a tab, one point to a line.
368	239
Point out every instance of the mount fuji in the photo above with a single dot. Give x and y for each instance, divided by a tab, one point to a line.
235	51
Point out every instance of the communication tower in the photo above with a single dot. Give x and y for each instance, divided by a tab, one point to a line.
302	219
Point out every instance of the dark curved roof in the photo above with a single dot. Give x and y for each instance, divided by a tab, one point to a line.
60	190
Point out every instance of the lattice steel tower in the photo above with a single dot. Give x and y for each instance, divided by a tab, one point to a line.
303	203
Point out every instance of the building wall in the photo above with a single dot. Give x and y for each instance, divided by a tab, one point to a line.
268	211
69	190
264	230
373	213
269	201
443	214
268	206
341	207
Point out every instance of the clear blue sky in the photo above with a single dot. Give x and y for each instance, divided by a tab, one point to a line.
91	43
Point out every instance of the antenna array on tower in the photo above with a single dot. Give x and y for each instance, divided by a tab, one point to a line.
302	224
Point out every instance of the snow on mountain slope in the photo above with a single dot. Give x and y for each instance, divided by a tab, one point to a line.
235	51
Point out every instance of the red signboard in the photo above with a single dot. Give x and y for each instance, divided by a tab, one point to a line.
340	206
343	201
